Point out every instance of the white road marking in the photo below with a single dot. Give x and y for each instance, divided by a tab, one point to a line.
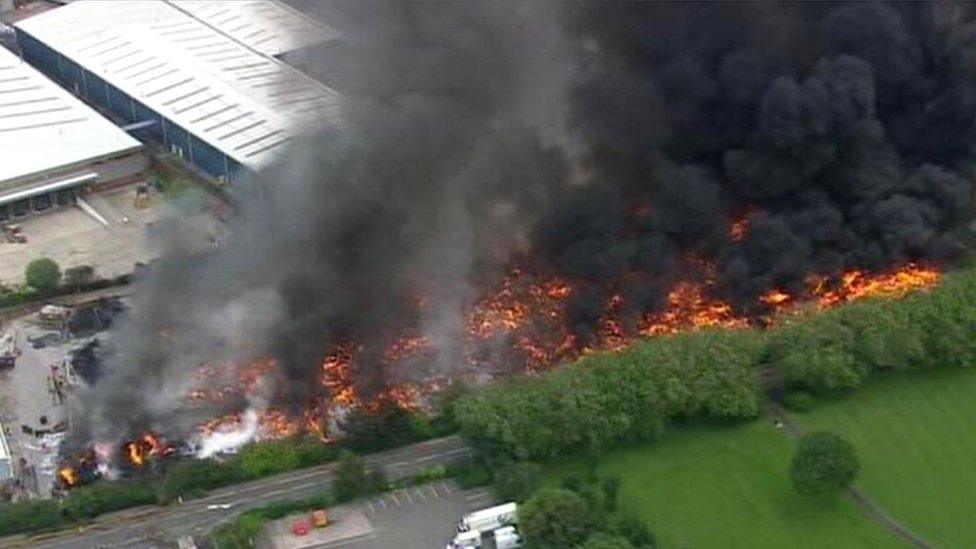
370	505
383	502
406	494
433	489
420	494
395	500
447	488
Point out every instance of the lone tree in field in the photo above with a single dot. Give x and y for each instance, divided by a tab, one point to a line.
43	275
823	462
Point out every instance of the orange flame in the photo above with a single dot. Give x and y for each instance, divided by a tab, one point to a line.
857	284
689	309
134	453
68	476
527	314
776	299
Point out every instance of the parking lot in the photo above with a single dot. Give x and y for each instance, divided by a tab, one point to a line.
419	517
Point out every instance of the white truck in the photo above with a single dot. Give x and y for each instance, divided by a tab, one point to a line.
465	539
489	519
507	537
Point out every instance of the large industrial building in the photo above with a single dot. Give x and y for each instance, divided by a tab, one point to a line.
199	79
53	145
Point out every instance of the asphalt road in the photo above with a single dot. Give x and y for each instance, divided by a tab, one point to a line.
161	526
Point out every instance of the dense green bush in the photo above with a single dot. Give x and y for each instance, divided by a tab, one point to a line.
388	427
30	516
634	531
81	503
194	477
243	531
799	401
602	540
267	458
554	518
823	462
43	275
614	396
470	473
517	480
105	497
312	452
352	480
10	297
240	533
816	352
428	474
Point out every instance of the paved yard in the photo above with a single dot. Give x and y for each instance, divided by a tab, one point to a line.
71	237
420	517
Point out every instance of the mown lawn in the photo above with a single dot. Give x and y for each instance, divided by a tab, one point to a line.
916	437
727	486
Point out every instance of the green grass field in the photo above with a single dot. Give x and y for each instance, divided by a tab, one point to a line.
727	486
916	437
709	486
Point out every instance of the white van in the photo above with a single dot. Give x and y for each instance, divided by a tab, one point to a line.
489	519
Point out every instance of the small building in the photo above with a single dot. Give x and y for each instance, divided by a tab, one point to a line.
53	146
198	79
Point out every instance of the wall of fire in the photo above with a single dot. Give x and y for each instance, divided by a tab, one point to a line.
124	109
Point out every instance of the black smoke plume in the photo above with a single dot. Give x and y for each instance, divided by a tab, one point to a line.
604	142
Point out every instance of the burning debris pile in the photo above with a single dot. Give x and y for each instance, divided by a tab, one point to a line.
552	180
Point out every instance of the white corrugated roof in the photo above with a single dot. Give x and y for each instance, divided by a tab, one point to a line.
43	127
270	27
244	103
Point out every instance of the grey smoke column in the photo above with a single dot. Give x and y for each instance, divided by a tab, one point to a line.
447	156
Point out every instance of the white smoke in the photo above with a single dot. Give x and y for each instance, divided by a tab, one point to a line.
224	441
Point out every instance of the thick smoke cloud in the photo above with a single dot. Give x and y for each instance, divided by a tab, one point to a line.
603	142
447	154
844	132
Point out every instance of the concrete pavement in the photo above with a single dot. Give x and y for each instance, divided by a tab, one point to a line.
161	526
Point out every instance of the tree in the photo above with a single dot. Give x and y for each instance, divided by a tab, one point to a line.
554	518
602	540
43	275
76	277
517	480
370	431
823	462
352	480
